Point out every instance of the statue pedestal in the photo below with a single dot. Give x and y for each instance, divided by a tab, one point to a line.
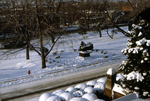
84	54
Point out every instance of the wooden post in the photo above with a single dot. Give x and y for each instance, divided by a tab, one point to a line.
111	78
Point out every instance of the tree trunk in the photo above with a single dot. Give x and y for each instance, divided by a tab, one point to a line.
88	22
52	38
100	34
27	52
26	32
41	46
40	36
42	51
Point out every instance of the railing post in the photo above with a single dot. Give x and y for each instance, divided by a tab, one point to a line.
111	78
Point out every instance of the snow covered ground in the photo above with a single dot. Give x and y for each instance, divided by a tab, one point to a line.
14	69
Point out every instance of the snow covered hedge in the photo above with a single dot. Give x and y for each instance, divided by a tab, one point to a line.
81	92
136	68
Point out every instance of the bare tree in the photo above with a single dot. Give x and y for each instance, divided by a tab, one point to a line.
16	25
40	19
47	21
106	9
138	6
34	19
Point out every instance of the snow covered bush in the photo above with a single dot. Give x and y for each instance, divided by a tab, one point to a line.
99	100
102	80
91	83
53	98
90	96
78	99
81	86
71	89
58	92
89	90
66	96
78	93
100	87
136	68
45	96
